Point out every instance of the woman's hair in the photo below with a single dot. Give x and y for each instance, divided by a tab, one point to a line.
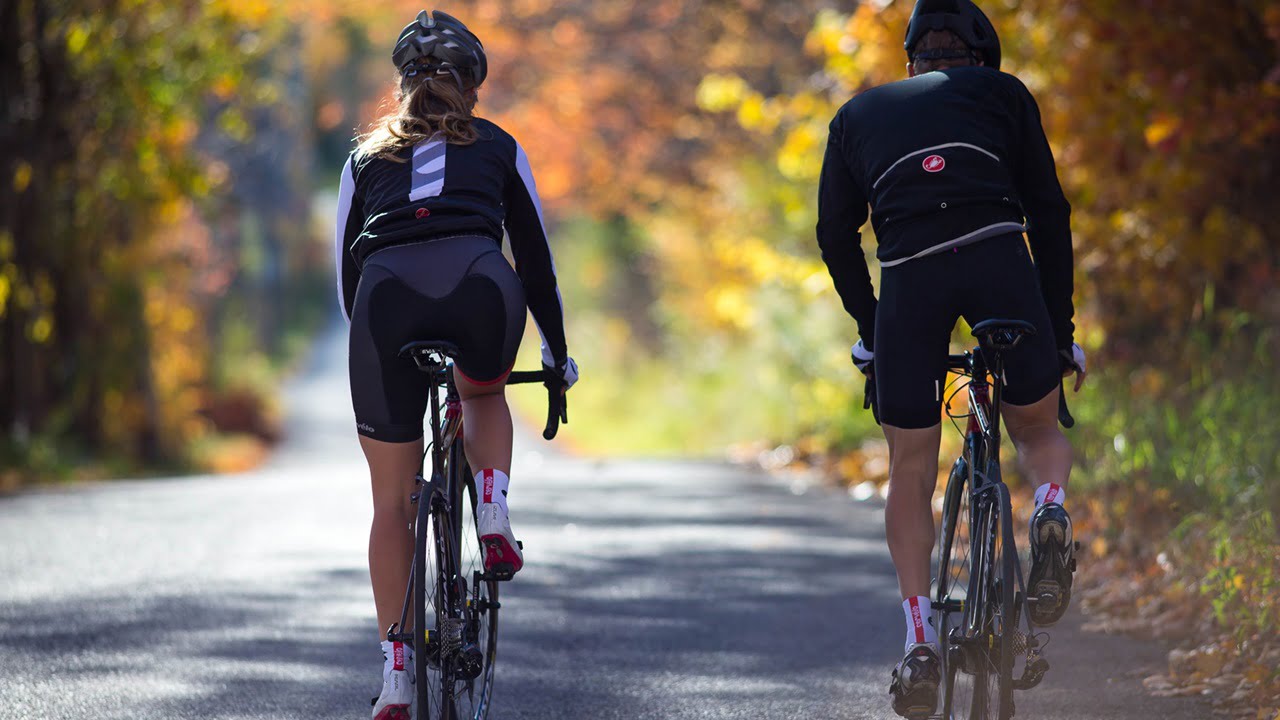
430	105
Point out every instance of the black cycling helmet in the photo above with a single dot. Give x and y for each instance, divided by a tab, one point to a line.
438	41
961	17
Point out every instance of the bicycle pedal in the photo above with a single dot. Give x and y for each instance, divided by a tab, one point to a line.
1032	675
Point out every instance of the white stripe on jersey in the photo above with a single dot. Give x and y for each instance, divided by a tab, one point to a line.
526	175
428	170
346	190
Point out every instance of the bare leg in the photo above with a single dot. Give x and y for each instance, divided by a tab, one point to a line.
392	467
908	517
487	434
1044	453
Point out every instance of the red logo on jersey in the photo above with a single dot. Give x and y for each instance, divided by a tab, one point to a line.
422	212
934	163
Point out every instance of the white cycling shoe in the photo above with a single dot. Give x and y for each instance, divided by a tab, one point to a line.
502	556
397	698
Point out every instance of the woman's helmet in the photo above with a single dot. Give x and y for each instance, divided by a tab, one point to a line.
437	41
961	17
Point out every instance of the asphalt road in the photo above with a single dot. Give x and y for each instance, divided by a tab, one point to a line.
651	590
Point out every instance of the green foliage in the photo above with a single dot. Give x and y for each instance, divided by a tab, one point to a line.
132	121
1187	453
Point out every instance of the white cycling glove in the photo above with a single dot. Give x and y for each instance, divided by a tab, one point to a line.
1075	359
862	357
568	372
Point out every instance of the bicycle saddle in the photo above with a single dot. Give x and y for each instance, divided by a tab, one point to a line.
997	334
423	349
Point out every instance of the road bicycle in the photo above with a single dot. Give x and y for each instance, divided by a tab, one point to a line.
452	598
979	595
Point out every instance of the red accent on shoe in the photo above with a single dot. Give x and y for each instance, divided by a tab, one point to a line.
915	618
1052	495
488	485
397	655
394	712
497	551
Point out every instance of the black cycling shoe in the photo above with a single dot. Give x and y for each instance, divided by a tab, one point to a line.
1052	563
915	683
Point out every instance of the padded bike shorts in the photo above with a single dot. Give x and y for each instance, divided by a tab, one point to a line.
920	302
459	290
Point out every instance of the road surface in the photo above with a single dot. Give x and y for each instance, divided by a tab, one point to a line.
652	589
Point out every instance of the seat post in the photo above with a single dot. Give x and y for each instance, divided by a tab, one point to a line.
997	376
437	457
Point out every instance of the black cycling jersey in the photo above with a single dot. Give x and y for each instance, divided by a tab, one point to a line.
445	190
944	159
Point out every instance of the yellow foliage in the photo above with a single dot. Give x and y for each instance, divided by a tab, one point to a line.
1160	129
800	157
21	176
41	328
718	93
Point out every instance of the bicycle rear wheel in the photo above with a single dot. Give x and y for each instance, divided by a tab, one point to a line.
963	695
473	687
979	659
428	603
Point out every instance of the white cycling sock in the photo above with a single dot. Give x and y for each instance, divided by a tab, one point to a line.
492	485
919	613
1051	492
396	656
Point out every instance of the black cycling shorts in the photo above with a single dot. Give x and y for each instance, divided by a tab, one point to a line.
920	302
459	290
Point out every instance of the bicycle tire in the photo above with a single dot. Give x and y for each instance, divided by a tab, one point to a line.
963	695
1005	599
427	597
480	603
991	622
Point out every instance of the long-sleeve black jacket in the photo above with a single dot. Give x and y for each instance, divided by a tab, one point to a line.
442	190
943	159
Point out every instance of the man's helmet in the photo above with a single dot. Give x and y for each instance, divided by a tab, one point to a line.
961	17
437	41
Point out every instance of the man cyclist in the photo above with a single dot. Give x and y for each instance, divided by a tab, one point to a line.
954	165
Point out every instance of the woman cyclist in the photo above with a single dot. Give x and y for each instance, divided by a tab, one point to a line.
423	203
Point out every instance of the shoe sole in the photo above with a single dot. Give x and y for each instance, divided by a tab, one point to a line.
393	712
1050	571
501	560
920	706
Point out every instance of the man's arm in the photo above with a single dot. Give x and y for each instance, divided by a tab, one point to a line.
1048	218
842	210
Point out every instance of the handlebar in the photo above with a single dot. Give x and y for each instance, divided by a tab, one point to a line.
869	398
557	405
1064	415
